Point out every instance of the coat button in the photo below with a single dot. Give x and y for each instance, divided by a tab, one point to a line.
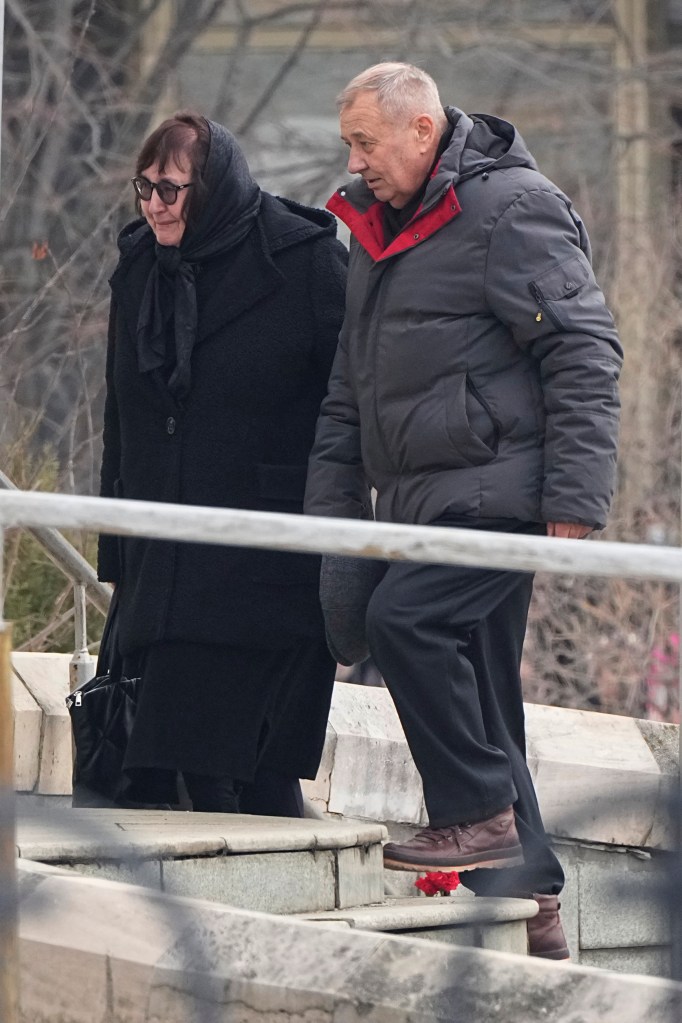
485	176
170	425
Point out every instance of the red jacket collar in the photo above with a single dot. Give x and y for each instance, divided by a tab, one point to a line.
367	227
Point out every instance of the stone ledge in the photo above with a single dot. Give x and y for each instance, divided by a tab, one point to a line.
93	834
599	777
596	777
412	913
266	863
498	924
140	955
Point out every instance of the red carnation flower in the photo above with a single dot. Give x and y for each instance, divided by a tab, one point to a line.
438	882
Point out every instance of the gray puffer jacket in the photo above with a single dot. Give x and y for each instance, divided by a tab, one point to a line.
478	363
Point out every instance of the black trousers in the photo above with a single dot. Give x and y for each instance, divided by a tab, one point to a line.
447	641
268	795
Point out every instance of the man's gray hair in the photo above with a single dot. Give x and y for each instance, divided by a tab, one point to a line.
402	90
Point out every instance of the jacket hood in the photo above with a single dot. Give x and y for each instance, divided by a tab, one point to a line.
480	143
288	223
136	233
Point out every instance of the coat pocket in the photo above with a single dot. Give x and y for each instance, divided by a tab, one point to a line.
451	427
557	285
281	488
281	485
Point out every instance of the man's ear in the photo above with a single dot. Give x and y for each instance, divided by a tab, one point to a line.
425	129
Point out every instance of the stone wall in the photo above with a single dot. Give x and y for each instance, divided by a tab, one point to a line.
604	783
100	950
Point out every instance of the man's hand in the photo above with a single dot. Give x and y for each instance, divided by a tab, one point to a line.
568	530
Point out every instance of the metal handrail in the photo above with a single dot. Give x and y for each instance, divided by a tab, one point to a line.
67	559
312	534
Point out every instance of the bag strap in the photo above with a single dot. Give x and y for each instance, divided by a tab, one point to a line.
109	660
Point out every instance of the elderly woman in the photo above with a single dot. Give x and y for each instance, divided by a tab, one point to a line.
226	307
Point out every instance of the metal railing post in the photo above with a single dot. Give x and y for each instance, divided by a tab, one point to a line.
9	943
81	665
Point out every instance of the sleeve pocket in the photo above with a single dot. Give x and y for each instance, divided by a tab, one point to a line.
563	281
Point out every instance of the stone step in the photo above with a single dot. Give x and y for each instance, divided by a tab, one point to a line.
490	923
93	950
272	864
605	785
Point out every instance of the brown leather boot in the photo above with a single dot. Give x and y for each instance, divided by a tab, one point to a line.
490	843
546	937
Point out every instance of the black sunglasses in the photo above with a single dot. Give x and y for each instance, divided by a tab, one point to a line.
166	190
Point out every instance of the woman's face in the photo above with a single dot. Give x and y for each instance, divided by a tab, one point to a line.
166	219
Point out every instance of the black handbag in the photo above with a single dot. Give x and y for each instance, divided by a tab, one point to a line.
102	712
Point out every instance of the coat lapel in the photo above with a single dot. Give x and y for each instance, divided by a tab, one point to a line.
227	287
128	284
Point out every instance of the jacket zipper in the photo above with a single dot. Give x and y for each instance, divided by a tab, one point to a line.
544	308
377	319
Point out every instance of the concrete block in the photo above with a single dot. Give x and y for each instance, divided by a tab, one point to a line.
510	937
570	902
46	676
269	882
128	984
374	775
663	740
595	776
146	873
318	791
621	905
649	962
399	884
44	998
360	876
664	830
27	730
375	779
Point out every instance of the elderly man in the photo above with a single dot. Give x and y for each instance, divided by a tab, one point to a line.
475	385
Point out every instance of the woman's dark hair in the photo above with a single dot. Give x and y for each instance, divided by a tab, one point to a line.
185	137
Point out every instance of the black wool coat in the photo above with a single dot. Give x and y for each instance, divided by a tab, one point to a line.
269	317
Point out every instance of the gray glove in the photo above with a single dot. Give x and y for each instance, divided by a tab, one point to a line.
346	585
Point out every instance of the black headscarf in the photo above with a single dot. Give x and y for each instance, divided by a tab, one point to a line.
230	210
